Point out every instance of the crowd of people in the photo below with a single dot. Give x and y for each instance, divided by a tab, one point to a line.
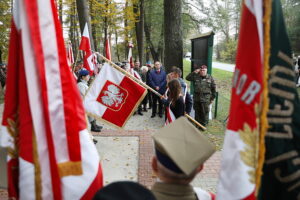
172	88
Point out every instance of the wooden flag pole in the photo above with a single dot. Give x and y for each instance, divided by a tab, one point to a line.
145	85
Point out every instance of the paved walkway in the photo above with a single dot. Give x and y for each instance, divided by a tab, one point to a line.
126	154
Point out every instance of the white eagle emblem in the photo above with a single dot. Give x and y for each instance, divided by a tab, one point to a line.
112	96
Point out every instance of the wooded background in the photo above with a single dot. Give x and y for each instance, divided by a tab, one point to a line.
159	29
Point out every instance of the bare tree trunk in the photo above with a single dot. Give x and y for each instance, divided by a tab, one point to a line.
83	16
126	32
155	54
93	25
173	50
0	55
105	26
117	49
139	28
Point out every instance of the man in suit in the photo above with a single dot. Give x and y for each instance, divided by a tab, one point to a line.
157	80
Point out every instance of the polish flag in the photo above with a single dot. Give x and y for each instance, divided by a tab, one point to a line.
107	49
113	96
70	56
238	175
85	46
130	61
170	116
51	155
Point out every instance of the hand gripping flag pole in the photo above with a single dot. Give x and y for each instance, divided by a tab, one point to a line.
145	85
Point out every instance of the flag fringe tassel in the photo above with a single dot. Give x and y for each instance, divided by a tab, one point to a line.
265	101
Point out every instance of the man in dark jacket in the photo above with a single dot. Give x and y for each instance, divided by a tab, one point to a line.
157	80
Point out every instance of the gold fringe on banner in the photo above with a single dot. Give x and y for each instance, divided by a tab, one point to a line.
267	5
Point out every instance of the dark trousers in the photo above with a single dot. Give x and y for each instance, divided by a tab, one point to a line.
156	99
201	112
149	97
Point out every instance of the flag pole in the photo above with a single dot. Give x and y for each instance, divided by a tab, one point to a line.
145	85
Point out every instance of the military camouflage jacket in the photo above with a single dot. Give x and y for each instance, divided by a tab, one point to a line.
204	87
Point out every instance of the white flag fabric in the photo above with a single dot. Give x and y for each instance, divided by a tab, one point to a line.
113	96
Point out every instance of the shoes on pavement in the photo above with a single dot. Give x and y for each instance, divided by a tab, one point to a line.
140	113
153	115
160	115
95	141
95	127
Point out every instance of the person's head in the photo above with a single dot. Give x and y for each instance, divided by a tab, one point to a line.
180	151
203	70
176	72
78	66
144	69
137	64
124	190
157	65
84	75
175	89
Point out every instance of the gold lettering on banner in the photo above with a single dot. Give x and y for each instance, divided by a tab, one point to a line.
282	157
287	178
287	135
280	120
281	112
296	161
285	57
281	81
282	69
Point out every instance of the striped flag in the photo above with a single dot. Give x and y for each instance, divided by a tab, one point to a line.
50	154
169	115
240	150
85	45
113	96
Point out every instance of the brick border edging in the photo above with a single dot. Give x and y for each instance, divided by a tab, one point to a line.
145	152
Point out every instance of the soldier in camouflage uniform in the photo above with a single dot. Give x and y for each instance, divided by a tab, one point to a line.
204	93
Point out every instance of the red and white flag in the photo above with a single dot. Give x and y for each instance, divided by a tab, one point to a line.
240	150
51	155
85	45
130	60
170	116
113	97
70	56
107	49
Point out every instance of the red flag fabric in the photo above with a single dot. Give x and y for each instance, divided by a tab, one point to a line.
51	155
113	96
240	149
170	116
107	50
85	46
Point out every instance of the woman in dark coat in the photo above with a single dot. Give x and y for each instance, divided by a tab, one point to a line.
175	99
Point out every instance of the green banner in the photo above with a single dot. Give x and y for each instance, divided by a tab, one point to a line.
281	172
